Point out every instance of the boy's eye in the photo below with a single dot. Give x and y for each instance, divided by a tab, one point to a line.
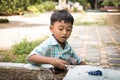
60	29
69	29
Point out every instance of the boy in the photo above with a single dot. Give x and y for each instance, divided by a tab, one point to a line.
56	50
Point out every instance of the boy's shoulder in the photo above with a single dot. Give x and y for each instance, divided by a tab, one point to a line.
50	41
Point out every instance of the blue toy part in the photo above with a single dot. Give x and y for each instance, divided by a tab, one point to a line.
95	72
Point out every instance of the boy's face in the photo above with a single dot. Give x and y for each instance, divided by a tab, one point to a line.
61	31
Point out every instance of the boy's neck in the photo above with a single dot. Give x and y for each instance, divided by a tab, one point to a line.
62	45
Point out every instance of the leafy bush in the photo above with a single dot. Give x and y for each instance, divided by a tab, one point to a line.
33	9
75	9
43	7
40	8
9	7
25	47
48	5
19	51
20	58
4	20
8	56
65	8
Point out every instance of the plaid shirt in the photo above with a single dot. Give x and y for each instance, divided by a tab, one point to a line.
51	48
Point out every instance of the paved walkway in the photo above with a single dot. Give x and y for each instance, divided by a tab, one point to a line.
98	45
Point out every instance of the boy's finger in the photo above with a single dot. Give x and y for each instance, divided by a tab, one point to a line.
64	62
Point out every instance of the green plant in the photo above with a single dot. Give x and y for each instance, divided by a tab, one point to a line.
75	9
65	8
8	56
4	56
10	7
40	8
20	58
33	9
49	7
25	47
43	7
97	20
4	20
20	51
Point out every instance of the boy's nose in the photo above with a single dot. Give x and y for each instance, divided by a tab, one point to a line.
64	31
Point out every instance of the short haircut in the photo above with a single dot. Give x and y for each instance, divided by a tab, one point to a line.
61	15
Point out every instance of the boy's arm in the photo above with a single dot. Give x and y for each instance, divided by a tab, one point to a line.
47	60
80	62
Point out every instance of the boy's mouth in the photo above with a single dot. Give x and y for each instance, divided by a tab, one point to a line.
63	37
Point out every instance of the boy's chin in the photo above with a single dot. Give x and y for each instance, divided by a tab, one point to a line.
61	42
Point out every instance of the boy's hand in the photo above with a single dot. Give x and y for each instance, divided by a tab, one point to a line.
58	63
83	63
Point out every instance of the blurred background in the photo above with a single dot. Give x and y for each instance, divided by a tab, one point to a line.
96	34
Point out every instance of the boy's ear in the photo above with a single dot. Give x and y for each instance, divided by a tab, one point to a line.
50	27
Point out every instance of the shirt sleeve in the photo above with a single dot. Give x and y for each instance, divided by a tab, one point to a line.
39	50
74	55
34	51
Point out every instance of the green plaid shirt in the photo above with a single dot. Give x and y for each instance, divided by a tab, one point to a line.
51	48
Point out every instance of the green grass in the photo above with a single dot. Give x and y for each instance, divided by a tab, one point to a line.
86	23
25	47
99	21
9	56
19	51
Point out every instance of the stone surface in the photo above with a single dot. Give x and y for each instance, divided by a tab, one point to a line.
18	71
114	61
81	73
114	56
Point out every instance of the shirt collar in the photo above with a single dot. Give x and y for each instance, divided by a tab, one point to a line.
54	41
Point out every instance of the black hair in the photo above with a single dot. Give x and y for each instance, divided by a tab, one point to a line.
61	15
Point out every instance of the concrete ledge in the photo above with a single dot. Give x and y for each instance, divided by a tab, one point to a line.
21	71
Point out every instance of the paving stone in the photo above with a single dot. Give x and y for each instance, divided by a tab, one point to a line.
114	61
92	36
93	54
117	28
107	65
93	60
116	67
95	46
110	48
83	55
112	52
103	56
92	49
104	61
76	45
104	35
115	35
114	56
